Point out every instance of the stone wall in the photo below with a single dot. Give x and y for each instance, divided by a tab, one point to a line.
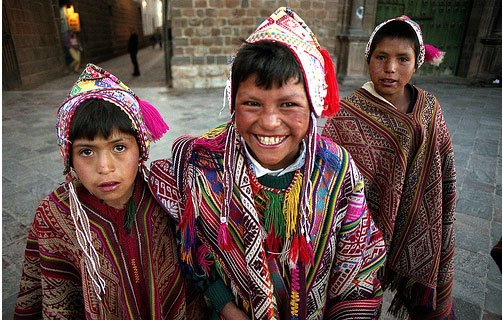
207	33
37	44
35	37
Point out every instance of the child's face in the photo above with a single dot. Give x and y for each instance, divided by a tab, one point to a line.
272	122
107	167
391	66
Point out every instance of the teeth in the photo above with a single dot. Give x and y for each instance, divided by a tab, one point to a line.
270	140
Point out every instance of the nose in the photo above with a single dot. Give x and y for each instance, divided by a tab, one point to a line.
270	118
105	163
390	66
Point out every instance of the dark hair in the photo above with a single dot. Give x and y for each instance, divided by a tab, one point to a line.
272	63
97	117
396	30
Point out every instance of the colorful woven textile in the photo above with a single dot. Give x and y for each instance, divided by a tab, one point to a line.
408	164
340	282
141	269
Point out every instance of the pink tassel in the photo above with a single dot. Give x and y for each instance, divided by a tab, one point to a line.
433	55
204	262
332	97
153	120
224	237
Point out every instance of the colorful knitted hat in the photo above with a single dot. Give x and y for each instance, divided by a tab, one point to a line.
427	52
97	83
286	27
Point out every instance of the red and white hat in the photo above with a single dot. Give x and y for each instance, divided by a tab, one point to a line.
286	27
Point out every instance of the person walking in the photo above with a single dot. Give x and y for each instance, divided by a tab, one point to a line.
75	49
133	51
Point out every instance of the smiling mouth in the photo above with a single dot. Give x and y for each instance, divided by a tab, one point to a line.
270	141
388	80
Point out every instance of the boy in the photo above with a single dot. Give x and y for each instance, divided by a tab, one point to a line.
100	247
279	212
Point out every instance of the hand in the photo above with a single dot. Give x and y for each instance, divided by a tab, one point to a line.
232	312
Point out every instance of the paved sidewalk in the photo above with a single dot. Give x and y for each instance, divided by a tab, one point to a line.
32	167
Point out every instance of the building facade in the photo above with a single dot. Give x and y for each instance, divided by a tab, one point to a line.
34	31
201	36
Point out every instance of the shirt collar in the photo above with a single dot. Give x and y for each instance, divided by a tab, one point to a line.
260	171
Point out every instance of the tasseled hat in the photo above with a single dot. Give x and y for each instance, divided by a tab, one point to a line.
97	83
286	27
427	52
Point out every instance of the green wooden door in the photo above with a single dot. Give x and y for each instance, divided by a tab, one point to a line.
443	24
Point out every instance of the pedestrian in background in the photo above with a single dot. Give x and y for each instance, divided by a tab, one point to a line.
132	47
397	135
72	43
265	204
100	247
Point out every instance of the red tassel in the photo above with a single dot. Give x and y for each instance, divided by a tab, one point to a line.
153	120
306	251
293	255
273	242
224	241
187	229
332	97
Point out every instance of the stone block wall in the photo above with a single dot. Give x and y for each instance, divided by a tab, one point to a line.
37	44
207	33
35	37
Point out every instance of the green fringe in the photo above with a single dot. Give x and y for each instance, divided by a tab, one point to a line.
274	214
130	215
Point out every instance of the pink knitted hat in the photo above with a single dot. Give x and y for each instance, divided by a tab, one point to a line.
97	83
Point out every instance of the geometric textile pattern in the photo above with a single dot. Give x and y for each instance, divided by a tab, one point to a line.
408	165
348	248
145	280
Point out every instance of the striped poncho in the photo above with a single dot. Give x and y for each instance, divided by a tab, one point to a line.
340	282
408	165
140	268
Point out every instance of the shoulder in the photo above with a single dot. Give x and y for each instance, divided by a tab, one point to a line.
58	199
331	153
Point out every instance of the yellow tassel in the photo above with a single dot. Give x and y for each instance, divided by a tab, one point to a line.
291	207
294	304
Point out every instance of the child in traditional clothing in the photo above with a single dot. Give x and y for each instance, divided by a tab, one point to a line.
274	212
100	247
397	135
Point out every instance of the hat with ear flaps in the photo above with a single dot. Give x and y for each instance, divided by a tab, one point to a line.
97	83
427	52
286	27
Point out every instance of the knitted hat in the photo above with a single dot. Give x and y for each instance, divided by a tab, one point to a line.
427	52
97	83
286	27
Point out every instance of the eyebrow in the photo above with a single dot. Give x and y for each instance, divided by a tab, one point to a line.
78	143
